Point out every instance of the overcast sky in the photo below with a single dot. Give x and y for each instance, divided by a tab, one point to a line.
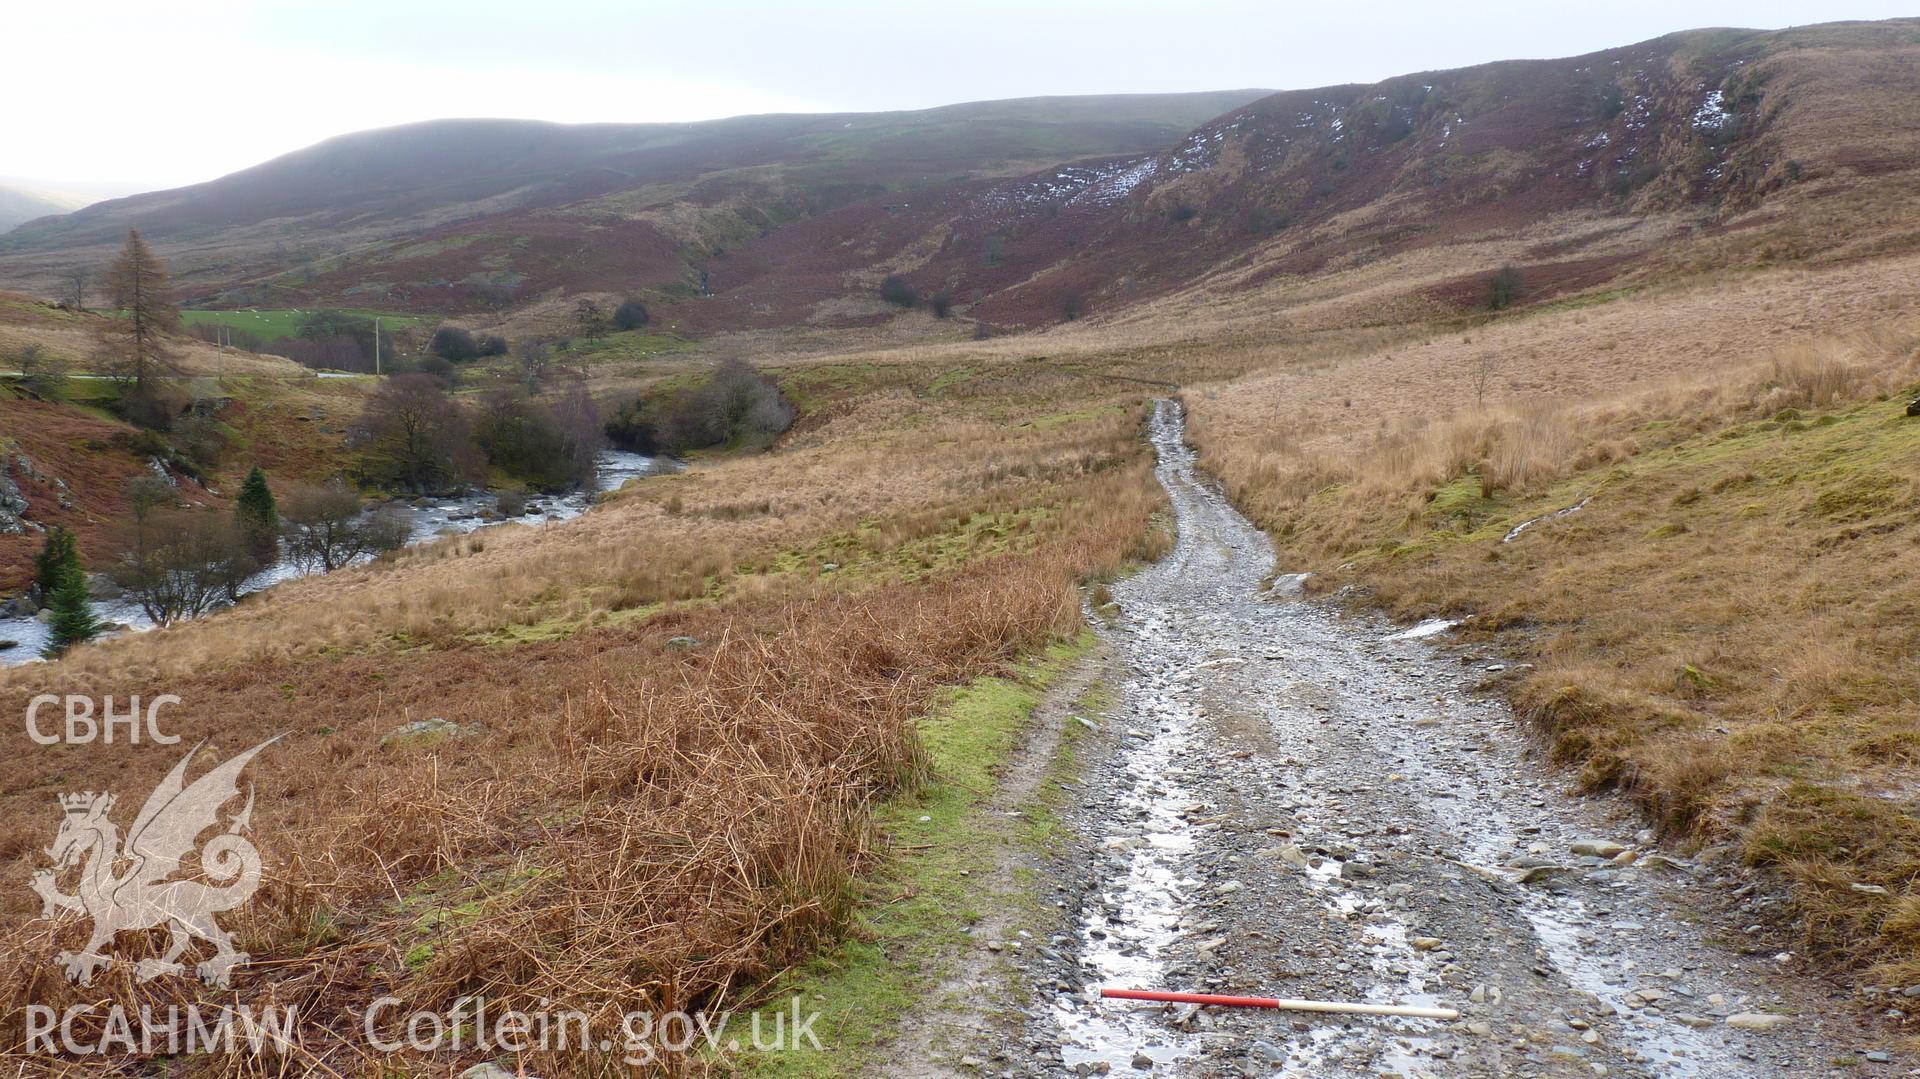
118	96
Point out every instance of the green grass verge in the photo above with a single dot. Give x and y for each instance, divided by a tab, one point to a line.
928	892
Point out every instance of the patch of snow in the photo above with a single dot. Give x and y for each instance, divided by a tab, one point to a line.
1102	185
1712	113
1639	112
1118	186
1556	514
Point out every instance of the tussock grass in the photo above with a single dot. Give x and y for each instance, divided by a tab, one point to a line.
1724	632
1523	447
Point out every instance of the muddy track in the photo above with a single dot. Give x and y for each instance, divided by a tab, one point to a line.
1288	800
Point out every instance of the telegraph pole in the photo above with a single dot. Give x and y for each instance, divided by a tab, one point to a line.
376	346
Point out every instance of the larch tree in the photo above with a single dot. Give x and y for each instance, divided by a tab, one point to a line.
137	282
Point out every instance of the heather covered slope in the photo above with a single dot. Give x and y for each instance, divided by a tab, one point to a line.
1698	134
1703	150
468	186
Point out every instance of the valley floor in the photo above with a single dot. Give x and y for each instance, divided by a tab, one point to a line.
1272	797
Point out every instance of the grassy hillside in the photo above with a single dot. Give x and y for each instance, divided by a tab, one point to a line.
272	325
1724	627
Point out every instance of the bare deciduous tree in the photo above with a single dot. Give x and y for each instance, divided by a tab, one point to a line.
585	434
41	374
551	447
328	527
145	496
74	287
413	436
1485	366
182	563
737	405
535	357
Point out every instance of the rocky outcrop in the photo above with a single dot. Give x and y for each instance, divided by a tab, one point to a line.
13	501
423	732
13	507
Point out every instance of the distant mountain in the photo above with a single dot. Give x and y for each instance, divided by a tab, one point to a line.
20	204
1701	150
308	209
1697	151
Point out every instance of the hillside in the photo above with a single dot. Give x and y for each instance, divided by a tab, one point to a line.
1597	163
484	197
66	457
1582	172
21	204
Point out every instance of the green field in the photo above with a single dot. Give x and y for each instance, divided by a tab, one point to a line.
623	345
271	325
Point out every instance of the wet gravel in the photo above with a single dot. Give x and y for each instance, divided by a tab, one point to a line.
1288	800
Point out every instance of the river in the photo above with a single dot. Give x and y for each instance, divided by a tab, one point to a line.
426	519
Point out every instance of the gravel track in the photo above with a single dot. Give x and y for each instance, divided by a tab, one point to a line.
1289	800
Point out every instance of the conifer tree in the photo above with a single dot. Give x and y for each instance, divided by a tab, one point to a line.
72	619
258	517
57	557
